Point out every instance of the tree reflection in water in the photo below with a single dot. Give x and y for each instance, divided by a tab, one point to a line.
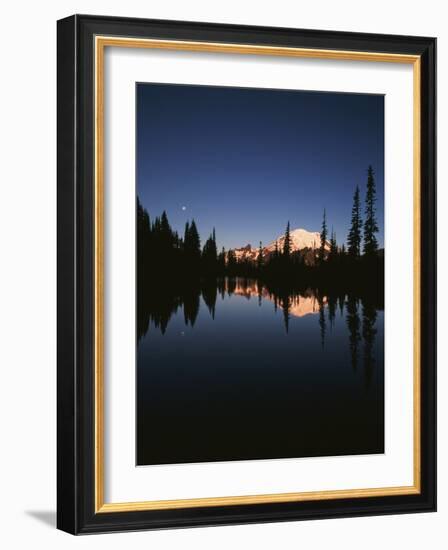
158	303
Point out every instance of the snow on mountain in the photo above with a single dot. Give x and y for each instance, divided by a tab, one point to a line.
246	253
300	239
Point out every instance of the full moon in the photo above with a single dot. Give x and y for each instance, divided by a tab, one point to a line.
184	207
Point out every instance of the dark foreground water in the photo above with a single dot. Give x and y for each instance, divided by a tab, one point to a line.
245	374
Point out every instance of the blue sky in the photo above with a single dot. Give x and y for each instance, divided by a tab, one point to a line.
246	161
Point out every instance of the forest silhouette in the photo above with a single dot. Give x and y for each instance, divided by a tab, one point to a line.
174	271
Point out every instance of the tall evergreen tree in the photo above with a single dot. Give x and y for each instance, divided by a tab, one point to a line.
186	232
192	247
195	241
143	223
287	243
370	223
210	255
222	261
323	237
166	234
260	258
164	224
162	256
333	245
143	239
354	235
231	262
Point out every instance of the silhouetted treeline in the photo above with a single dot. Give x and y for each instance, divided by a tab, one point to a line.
360	267
164	256
174	270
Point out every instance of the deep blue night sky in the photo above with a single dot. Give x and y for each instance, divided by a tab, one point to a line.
246	161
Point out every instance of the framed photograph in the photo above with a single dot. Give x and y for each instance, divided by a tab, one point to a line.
246	274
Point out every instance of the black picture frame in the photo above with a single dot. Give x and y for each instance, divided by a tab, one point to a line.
76	261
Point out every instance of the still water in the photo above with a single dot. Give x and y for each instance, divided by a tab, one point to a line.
236	372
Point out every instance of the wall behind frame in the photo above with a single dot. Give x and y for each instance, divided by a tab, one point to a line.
28	273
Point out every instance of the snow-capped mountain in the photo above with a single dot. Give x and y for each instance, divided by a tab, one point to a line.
301	239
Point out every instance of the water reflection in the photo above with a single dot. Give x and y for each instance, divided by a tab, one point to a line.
233	369
369	334
156	308
353	325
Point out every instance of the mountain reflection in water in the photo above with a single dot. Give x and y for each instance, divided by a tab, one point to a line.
158	306
297	305
235	370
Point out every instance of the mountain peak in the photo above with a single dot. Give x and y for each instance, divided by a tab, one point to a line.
300	239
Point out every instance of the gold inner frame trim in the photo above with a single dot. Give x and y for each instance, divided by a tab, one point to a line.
101	42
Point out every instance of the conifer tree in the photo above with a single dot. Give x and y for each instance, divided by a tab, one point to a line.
166	234
215	248
162	247
323	237
195	241
333	245
192	247
210	255
260	258
186	232
354	235
143	239
287	243
164	224
222	261
177	242
143	223
370	223
155	228
231	261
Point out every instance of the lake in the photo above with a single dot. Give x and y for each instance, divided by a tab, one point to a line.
229	370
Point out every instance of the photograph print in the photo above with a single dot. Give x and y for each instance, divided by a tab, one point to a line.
260	274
